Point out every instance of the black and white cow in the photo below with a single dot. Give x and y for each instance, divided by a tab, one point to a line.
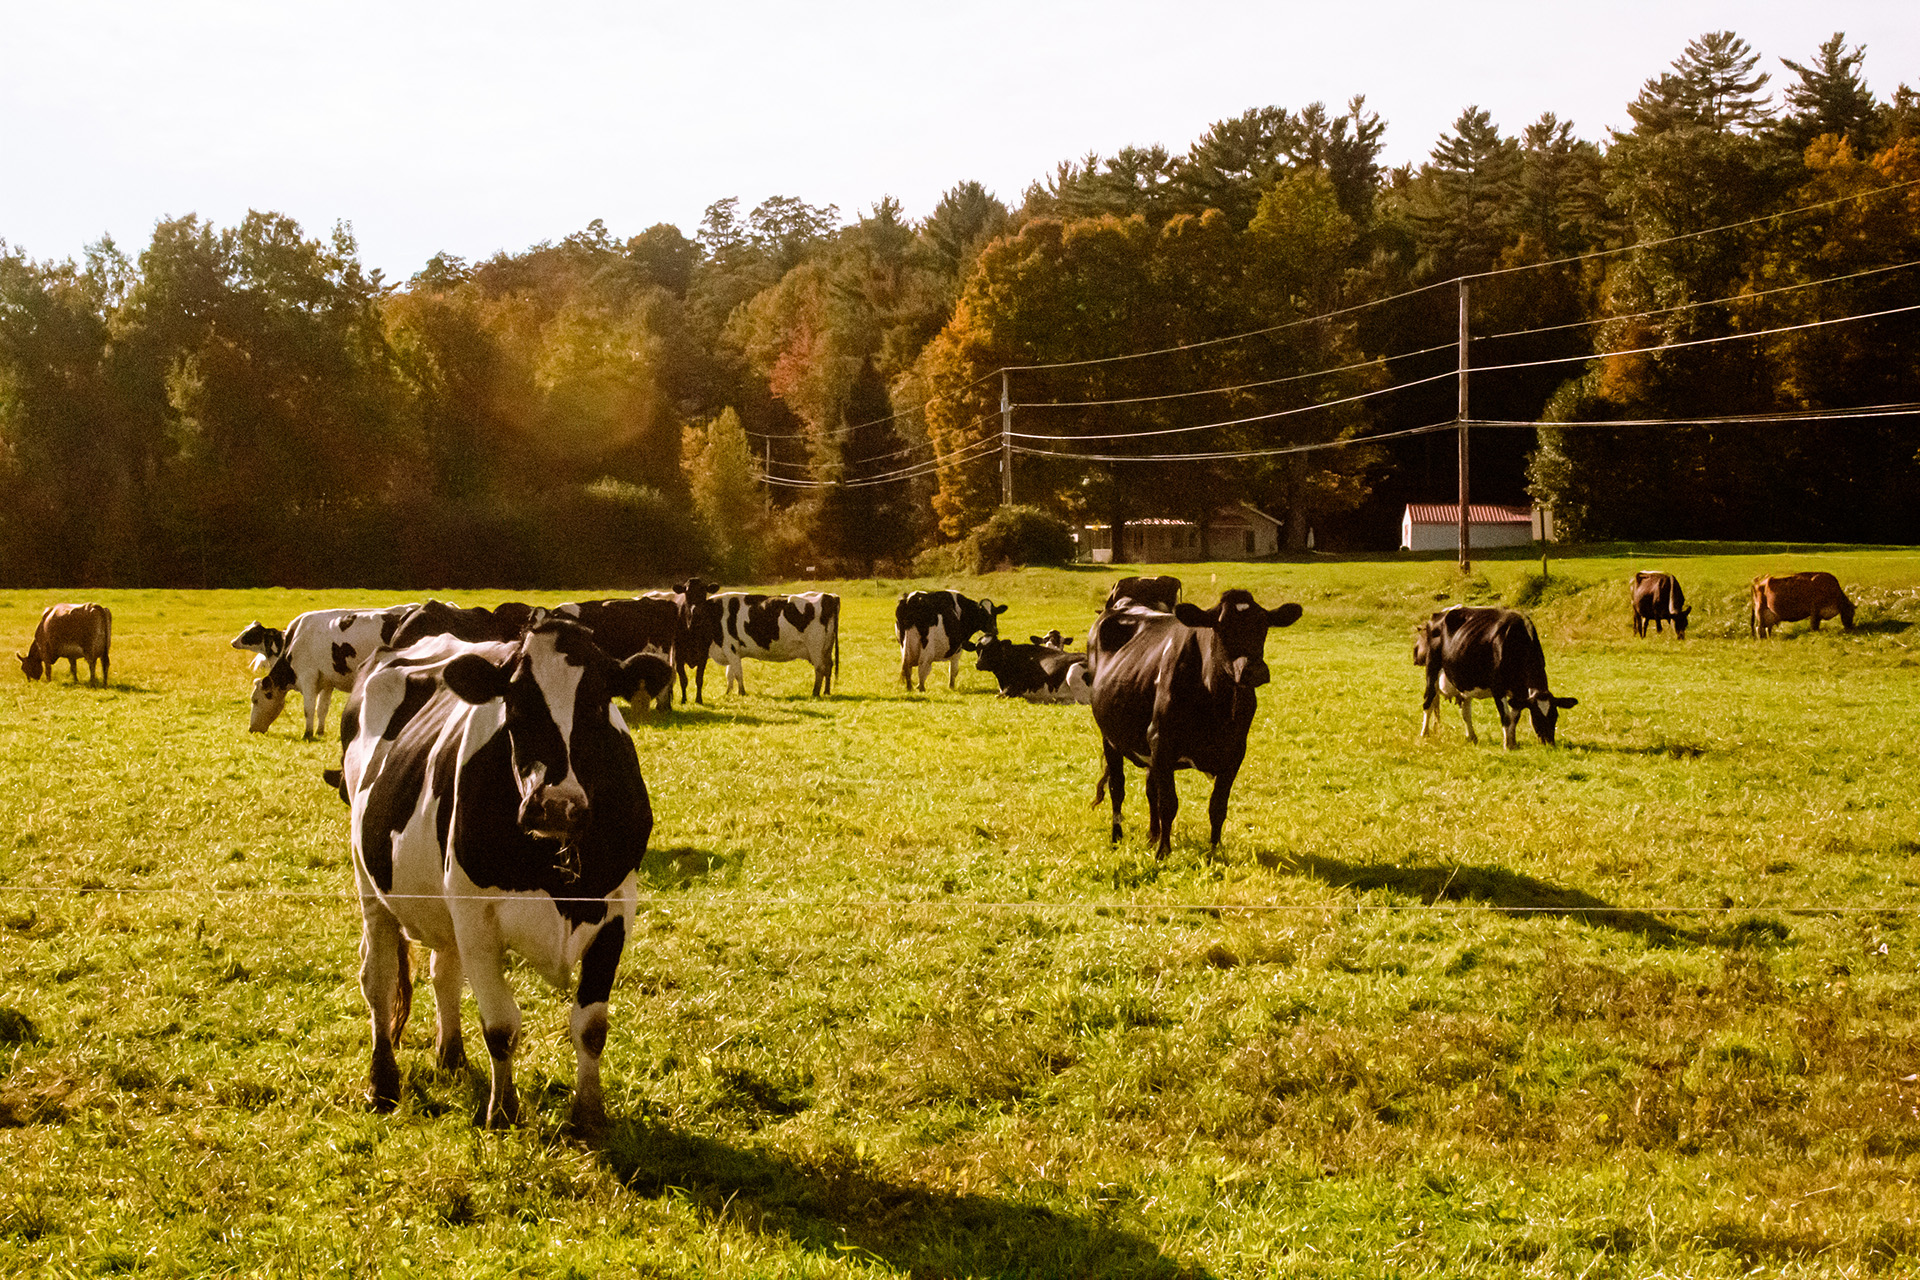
1176	691
320	651
497	805
698	632
1037	672
1474	653
438	618
934	626
265	643
1053	640
631	625
805	625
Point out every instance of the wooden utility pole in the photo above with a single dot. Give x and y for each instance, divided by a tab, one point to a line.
1466	561
1006	442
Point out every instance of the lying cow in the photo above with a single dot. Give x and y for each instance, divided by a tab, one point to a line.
73	632
1656	597
1053	640
1176	691
265	643
497	805
936	626
629	626
777	629
322	651
1487	653
1794	597
1037	672
1160	593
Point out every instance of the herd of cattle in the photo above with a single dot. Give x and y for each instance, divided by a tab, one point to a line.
496	797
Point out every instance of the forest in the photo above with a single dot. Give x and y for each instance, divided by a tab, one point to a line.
1270	316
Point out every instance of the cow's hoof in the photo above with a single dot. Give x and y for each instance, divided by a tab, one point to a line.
454	1059
587	1119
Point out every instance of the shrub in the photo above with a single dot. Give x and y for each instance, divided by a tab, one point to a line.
1021	536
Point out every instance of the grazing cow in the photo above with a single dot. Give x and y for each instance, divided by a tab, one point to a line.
1656	597
1053	640
1487	653
438	618
1160	593
1793	597
932	626
265	643
777	629
1176	691
1037	672
497	805
630	626
73	632
323	650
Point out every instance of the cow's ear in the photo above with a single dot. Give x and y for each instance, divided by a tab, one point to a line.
1065	641
1035	640
473	679
1564	703
1285	616
1193	615
999	609
970	646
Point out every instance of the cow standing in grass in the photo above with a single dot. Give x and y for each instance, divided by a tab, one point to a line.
1473	653
73	632
321	651
1793	597
1656	597
497	805
938	626
805	625
1176	691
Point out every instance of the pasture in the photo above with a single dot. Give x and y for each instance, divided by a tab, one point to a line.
1643	1005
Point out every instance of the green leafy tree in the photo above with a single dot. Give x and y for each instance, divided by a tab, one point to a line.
721	475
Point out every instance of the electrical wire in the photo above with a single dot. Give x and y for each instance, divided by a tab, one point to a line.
1684	306
1244	386
1225	455
1234	422
1898	410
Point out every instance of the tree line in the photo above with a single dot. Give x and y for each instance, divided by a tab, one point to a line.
1266	316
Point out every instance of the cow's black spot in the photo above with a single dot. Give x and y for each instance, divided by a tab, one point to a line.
390	803
420	691
342	658
762	625
597	966
280	675
389	623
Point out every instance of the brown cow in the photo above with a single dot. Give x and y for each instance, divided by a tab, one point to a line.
70	631
1794	597
1656	597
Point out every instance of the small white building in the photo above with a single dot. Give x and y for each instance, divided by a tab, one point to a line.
1239	532
1435	526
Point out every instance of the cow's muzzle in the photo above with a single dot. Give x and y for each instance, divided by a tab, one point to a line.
555	812
1250	673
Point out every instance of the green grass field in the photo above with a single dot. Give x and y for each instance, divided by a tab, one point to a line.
1641	1006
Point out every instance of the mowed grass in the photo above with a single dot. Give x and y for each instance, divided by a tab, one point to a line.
1644	1005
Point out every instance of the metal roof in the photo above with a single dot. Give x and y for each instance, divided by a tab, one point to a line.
1477	513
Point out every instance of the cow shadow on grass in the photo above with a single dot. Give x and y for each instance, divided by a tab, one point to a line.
1495	887
1882	626
836	1205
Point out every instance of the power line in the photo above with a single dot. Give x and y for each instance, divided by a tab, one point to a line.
1234	422
1243	386
1225	455
1684	306
1898	410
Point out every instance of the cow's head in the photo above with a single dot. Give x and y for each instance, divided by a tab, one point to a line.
1680	622
1053	640
557	686
1545	713
1239	626
269	696
990	619
30	663
993	653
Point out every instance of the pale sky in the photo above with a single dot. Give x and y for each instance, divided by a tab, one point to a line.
481	126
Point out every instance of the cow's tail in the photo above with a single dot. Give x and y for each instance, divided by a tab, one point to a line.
1100	787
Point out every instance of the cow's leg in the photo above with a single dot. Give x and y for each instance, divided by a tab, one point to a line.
380	944
1509	713
926	669
953	671
317	710
73	667
589	1023
483	955
699	684
449	1050
1466	714
737	675
1163	799
106	667
1115	778
1217	802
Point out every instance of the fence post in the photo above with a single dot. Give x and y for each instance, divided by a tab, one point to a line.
1006	442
